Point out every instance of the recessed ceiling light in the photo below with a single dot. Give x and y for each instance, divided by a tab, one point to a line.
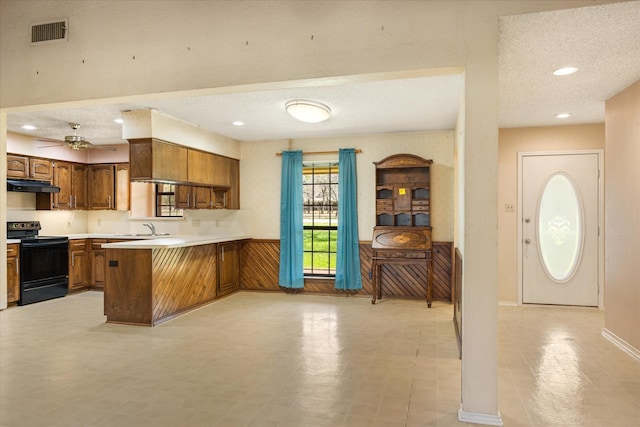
29	127
565	71
563	116
237	123
118	121
308	111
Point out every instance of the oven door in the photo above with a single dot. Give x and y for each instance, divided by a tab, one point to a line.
42	260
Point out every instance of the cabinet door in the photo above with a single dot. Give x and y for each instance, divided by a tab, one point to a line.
233	195
221	171
201	197
41	169
228	267
78	266
122	187
79	178
62	178
102	187
98	263
183	196
17	166
13	273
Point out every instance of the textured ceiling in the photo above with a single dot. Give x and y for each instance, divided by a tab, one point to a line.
602	41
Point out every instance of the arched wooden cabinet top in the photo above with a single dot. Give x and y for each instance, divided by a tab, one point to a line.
403	161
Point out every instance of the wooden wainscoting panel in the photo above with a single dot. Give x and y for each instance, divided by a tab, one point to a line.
183	278
260	265
260	260
442	255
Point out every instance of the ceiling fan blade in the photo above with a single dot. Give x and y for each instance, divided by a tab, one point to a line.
87	144
50	146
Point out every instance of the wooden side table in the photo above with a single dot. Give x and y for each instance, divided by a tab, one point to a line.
401	246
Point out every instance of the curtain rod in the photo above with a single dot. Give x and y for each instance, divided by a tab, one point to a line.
357	151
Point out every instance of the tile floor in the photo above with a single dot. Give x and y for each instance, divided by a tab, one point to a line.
257	359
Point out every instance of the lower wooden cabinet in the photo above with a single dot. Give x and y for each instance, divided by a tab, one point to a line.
78	264
13	272
98	263
228	267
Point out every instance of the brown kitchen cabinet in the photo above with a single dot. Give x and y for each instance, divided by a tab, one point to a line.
25	167
78	264
183	197
233	195
154	160
98	263
13	272
102	187
201	197
228	267
72	180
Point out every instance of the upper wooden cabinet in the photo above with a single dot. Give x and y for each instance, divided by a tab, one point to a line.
25	167
152	160
403	191
72	180
109	186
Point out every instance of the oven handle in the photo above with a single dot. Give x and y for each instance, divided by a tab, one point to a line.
26	245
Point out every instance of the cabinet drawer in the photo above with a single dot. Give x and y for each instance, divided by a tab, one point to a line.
13	250
77	245
384	205
421	208
400	254
418	202
96	244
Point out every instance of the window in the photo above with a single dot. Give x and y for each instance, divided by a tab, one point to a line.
166	201
320	218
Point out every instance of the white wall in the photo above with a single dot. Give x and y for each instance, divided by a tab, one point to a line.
622	218
260	175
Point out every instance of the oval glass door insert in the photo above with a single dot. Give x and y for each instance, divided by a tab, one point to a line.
560	228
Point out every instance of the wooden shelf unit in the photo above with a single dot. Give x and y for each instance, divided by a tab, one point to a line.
403	191
402	235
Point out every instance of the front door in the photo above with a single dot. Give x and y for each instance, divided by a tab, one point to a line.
560	234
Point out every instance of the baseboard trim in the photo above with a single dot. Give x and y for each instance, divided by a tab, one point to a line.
508	303
478	418
621	344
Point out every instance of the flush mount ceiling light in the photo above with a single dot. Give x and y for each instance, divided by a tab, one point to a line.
563	116
237	123
308	111
29	127
565	71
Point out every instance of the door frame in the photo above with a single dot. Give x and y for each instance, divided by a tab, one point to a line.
601	230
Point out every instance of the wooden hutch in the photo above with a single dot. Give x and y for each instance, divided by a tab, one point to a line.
402	234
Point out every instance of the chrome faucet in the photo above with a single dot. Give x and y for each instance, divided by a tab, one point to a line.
151	227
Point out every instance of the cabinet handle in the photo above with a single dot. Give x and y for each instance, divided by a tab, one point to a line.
109	202
73	260
223	254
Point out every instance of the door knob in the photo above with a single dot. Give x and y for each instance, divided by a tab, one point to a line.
527	241
527	220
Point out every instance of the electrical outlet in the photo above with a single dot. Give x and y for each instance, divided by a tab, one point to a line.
195	223
509	207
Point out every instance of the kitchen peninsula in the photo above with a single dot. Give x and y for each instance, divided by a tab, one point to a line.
151	281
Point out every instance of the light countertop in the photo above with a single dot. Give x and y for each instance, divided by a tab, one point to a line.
166	242
9	241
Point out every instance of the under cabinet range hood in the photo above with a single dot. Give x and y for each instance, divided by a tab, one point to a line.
27	186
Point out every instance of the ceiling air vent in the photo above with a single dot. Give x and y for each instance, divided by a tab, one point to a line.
47	32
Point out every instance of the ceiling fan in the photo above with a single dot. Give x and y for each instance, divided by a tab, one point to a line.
77	142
